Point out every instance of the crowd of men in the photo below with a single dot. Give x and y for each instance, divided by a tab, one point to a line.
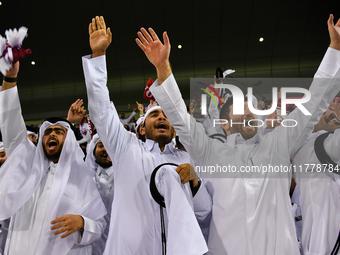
134	188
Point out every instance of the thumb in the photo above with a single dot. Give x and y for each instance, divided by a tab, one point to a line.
330	21
166	39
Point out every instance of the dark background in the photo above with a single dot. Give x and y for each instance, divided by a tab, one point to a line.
212	33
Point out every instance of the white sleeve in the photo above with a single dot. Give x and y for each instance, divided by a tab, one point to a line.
208	126
12	124
213	110
92	231
3	234
184	233
214	113
322	93
202	203
323	89
130	117
103	114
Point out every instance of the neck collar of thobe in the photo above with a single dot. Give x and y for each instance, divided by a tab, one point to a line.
109	171
150	144
51	168
235	139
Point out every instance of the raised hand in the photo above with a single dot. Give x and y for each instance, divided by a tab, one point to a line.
100	37
13	72
68	223
157	53
334	32
192	106
76	111
140	108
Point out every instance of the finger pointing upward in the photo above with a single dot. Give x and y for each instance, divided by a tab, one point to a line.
94	27
102	23
98	23
142	38
147	35
90	29
153	33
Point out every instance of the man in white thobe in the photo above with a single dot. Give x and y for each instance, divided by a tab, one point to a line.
135	225
40	186
250	215
319	186
100	165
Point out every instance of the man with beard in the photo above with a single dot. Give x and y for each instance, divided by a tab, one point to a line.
100	165
317	175
136	219
44	188
251	211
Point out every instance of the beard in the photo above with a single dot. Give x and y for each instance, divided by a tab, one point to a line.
160	139
104	164
52	157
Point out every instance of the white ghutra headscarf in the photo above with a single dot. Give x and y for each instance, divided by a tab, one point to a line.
25	168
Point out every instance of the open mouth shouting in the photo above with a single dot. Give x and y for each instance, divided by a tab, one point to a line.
162	126
52	144
105	156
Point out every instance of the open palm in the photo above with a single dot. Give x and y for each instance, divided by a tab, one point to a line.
156	52
100	37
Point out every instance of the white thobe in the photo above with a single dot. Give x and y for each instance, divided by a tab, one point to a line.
127	120
319	196
24	232
250	215
104	180
296	207
135	219
214	113
3	234
25	229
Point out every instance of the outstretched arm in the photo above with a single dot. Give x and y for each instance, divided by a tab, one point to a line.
12	124
131	115
322	93
102	113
